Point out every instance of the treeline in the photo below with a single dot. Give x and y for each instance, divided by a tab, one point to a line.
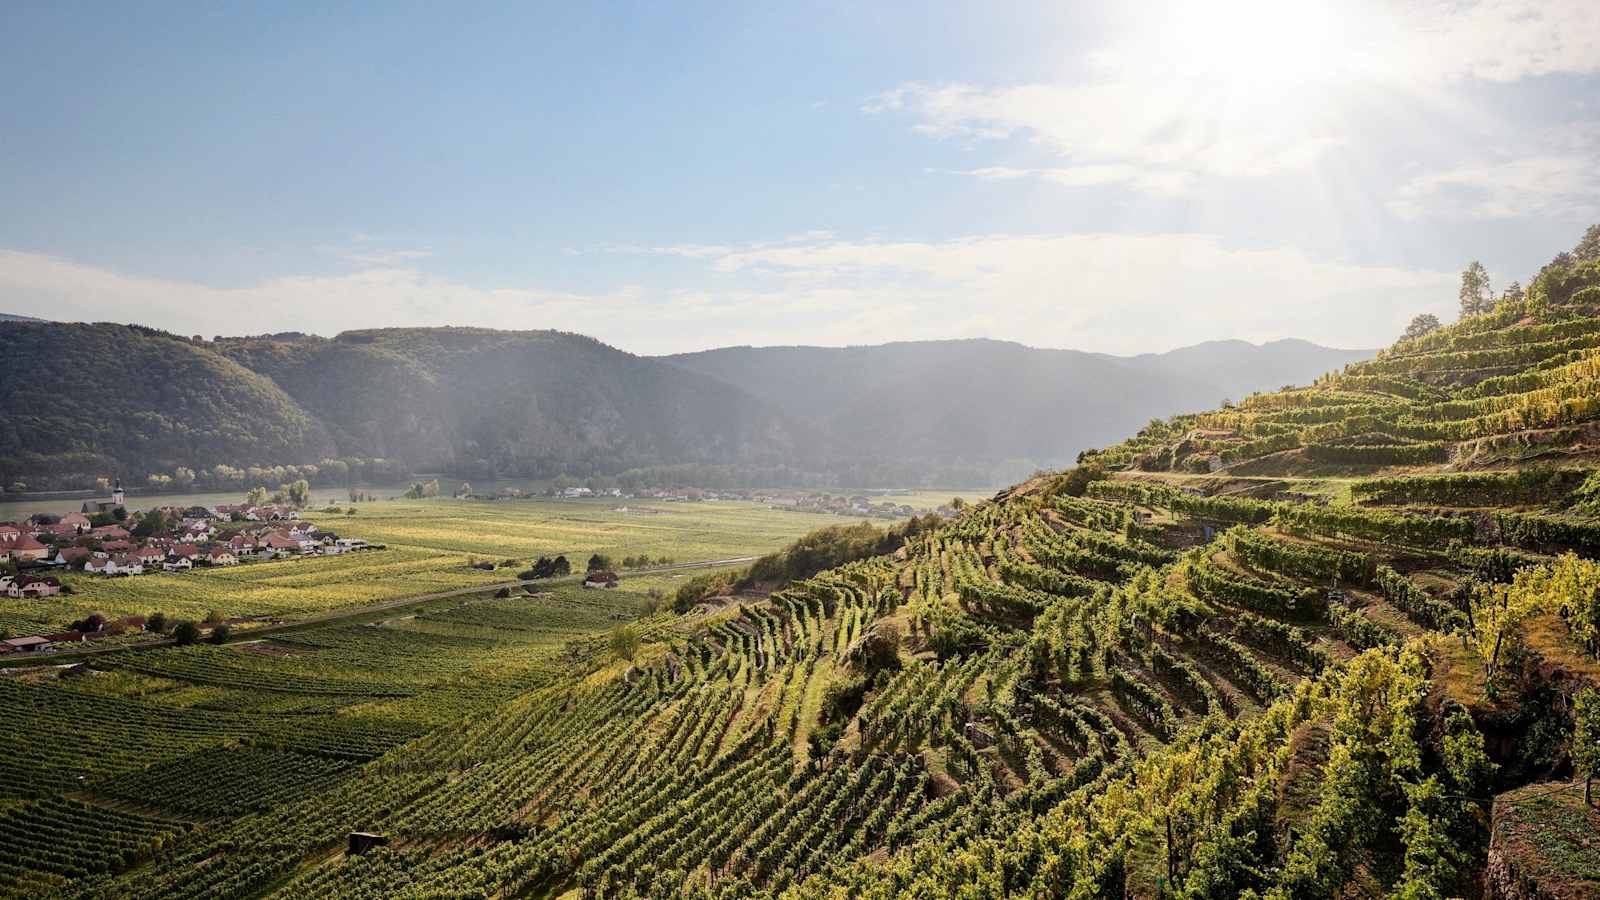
823	549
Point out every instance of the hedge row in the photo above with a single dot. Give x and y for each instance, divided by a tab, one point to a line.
1263	552
1377	525
1417	604
1536	531
1522	486
1420	454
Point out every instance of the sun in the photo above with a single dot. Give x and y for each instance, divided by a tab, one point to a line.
1262	48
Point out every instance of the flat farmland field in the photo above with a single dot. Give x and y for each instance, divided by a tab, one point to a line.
521	529
428	546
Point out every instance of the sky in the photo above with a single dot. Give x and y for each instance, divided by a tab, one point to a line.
1115	177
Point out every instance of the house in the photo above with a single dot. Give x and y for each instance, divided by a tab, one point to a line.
100	564
348	544
148	555
221	556
111	533
9	533
118	546
600	580
78	521
128	565
24	644
34	588
68	556
176	564
280	545
184	551
241	544
26	549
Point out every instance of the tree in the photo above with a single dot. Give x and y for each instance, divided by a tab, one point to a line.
157	622
256	496
1514	292
298	492
1588	249
219	634
1586	739
1498	613
213	617
1427	323
185	633
599	563
152	522
1569	586
1476	297
625	641
877	650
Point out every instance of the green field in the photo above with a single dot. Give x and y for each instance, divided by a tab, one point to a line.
428	546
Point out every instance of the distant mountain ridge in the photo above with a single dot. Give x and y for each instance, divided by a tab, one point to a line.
985	400
483	403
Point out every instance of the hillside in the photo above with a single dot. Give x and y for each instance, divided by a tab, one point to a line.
1366	674
480	402
81	400
936	400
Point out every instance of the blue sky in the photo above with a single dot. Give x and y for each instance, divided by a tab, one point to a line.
677	176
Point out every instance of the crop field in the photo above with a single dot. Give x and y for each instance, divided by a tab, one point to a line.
428	544
110	770
522	529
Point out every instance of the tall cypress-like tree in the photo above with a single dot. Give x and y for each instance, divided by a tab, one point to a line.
1476	297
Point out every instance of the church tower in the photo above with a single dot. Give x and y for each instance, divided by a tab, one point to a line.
116	493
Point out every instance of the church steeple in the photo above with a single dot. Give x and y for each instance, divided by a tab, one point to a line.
116	493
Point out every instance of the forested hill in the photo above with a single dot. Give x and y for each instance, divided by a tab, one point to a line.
482	402
86	400
990	401
80	401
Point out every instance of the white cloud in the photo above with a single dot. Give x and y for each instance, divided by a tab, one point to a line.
1115	293
1498	40
1232	89
1112	292
1545	186
1085	176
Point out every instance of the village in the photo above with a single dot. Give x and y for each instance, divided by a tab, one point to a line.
104	539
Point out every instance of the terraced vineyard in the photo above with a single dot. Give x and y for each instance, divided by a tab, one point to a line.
1178	671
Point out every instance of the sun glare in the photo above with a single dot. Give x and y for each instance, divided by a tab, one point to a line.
1262	47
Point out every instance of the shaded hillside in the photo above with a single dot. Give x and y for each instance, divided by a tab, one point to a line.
982	400
482	403
94	399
